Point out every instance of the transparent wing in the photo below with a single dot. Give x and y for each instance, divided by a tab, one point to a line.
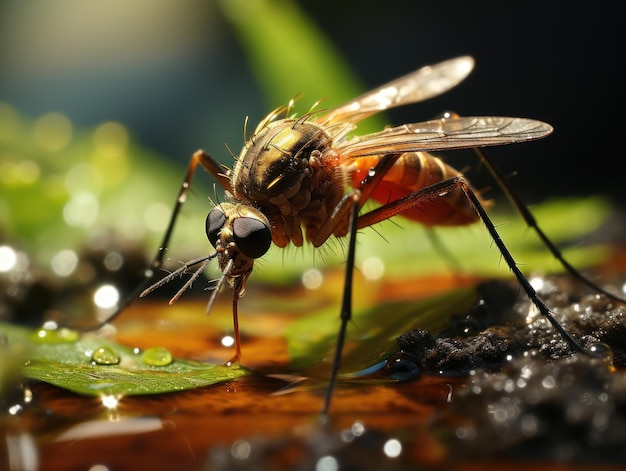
445	134
420	85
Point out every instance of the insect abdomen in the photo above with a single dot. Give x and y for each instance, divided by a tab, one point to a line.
414	171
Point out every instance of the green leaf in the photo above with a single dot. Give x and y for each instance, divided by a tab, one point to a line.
288	53
372	333
68	360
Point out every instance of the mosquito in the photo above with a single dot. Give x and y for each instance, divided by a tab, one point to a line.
306	179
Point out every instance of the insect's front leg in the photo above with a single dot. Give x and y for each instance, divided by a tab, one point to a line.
211	166
359	195
199	157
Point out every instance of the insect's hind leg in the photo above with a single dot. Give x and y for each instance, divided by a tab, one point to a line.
441	188
531	222
199	157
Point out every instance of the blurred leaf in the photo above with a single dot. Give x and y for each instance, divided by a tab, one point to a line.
372	333
96	186
288	53
66	361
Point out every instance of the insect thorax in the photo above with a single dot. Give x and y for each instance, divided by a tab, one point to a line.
285	171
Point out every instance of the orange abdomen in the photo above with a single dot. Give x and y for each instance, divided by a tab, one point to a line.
414	171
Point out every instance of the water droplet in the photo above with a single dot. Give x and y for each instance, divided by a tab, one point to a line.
465	433
327	463
52	335
106	296
602	351
64	262
548	382
113	261
373	268
157	356
402	366
8	258
228	341
241	450
52	131
312	278
392	448
105	356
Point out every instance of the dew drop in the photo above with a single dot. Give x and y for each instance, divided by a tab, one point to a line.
157	356
104	356
52	335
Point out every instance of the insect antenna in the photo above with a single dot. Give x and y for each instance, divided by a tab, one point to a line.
203	261
531	222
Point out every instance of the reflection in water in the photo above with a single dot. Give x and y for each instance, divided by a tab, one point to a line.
21	452
314	446
110	401
110	428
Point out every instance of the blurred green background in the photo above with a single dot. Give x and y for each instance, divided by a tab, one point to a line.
182	75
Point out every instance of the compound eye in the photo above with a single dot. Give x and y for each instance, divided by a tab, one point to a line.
252	235
214	223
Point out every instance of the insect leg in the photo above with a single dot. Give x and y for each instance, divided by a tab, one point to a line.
346	305
237	354
441	188
366	187
532	223
215	169
350	204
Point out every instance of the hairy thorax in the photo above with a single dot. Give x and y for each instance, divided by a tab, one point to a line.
288	171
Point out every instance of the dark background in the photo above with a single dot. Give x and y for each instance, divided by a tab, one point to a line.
561	62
